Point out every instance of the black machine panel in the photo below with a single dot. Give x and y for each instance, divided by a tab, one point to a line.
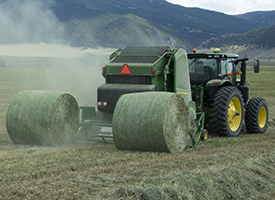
125	79
108	94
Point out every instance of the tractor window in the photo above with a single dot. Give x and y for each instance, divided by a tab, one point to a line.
237	68
201	69
226	66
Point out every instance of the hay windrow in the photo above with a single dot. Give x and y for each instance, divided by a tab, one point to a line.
42	118
151	121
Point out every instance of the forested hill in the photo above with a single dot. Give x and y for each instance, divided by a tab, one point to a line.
266	17
130	22
261	38
115	23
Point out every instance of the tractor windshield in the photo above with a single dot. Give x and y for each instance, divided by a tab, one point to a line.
201	69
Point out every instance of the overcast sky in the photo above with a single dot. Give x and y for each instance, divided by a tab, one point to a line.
229	7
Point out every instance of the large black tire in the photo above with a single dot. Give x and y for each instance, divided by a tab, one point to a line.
228	112
256	115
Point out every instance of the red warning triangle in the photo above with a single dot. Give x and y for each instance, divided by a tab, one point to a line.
125	69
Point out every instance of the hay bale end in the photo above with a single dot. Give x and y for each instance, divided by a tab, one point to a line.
45	118
151	121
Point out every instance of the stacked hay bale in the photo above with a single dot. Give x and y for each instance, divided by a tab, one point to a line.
42	118
151	121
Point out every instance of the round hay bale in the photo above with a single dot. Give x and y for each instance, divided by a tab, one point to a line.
42	118
151	121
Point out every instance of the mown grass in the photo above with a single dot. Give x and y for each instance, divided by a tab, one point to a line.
220	168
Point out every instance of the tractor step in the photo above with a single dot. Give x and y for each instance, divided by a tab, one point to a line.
106	129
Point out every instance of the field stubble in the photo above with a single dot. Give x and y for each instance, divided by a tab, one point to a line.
220	168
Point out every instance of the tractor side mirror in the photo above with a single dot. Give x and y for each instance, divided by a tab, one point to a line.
256	65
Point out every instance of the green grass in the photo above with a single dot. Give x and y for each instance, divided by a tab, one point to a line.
220	168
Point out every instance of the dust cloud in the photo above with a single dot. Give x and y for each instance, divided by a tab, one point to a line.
29	21
32	45
72	70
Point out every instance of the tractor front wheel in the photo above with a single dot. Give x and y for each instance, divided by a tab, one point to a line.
228	112
204	135
256	115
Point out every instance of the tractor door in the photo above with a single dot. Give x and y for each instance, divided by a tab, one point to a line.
229	69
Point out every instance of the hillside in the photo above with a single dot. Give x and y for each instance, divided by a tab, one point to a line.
267	17
114	23
113	30
186	26
261	39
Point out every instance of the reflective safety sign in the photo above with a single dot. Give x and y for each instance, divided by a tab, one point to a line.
125	69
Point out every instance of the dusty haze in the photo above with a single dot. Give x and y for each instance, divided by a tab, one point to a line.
29	21
32	44
57	67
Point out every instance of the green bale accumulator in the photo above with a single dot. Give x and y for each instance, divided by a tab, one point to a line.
45	118
151	121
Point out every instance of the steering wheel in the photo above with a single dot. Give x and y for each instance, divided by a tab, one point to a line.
210	71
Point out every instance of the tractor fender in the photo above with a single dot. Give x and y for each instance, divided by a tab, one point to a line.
212	87
219	82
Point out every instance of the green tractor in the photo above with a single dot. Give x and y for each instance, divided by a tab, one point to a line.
213	86
218	82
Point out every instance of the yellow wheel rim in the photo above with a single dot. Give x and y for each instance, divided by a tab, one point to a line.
234	114
206	136
262	117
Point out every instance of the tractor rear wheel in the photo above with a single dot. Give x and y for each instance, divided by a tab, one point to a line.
228	112
256	115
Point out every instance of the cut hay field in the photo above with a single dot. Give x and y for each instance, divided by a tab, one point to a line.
219	168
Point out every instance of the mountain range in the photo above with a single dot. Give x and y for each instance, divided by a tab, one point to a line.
266	17
120	23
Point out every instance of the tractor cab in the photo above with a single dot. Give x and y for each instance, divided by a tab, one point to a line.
204	67
212	71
